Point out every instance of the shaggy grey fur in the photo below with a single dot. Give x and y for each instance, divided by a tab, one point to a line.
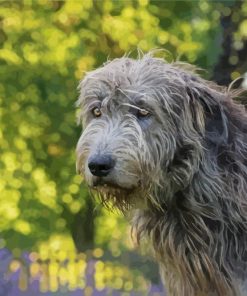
181	168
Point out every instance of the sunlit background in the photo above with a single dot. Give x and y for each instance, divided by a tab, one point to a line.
54	238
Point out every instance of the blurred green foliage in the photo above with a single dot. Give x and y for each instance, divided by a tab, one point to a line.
45	47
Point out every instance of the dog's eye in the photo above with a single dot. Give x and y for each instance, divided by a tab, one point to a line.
142	113
96	111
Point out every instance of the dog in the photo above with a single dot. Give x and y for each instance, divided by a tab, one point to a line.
170	147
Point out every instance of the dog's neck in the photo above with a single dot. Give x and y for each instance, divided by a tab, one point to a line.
197	238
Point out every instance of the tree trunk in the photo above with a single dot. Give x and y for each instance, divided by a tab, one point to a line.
233	58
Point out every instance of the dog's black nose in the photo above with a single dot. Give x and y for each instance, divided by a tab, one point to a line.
100	165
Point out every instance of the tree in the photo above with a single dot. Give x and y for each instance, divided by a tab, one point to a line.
232	61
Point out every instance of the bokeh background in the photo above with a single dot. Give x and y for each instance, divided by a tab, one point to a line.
54	239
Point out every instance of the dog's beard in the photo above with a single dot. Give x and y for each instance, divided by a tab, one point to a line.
114	197
122	199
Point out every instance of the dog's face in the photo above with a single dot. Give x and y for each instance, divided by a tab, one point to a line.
133	112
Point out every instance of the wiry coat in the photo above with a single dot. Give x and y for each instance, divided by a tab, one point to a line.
182	170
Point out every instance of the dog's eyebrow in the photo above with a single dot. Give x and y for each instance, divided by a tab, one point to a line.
95	95
93	103
101	96
136	100
142	105
132	106
124	93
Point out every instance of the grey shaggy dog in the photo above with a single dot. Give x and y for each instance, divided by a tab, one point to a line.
171	148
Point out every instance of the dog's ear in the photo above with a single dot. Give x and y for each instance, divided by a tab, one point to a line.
215	117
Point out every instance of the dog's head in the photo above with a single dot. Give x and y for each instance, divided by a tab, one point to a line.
144	121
